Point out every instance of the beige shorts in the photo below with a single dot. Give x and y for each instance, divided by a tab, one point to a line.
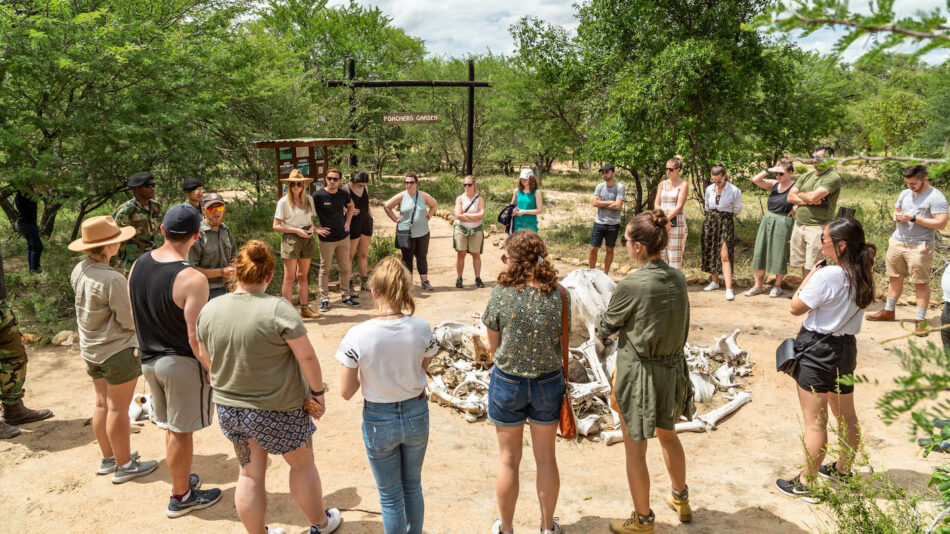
181	394
294	247
911	260
473	244
805	246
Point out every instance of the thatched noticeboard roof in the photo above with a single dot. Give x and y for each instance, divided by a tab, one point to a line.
303	141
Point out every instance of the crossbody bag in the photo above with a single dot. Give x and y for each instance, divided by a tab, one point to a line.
402	236
786	358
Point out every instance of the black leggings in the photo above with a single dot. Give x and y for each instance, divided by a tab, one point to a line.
418	248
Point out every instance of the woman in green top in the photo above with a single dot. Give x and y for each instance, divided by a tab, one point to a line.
528	203
650	310
523	318
263	370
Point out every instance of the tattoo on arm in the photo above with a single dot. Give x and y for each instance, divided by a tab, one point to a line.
243	450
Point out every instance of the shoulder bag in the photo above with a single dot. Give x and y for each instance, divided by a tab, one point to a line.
566	422
786	357
402	236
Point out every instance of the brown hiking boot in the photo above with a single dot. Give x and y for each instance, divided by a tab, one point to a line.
18	414
881	315
8	431
679	503
307	313
635	525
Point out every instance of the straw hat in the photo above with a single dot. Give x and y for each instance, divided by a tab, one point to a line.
296	177
99	231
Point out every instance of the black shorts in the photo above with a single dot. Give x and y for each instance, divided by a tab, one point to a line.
821	365
604	232
361	226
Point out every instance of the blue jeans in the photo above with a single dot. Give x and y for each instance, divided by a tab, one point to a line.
34	247
395	435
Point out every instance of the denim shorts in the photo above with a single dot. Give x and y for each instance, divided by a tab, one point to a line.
604	232
513	399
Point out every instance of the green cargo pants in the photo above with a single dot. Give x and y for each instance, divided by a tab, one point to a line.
12	358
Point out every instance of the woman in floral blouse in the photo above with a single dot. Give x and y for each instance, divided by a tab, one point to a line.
523	318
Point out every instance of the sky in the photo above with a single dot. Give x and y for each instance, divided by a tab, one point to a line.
462	27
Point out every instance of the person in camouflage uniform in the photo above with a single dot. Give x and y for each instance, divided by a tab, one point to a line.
13	371
142	213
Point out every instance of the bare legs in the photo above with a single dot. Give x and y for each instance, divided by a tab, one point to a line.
460	263
608	258
110	420
361	245
509	460
179	448
815	419
638	474
760	279
296	269
250	497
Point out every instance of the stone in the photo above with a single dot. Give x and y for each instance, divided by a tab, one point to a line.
334	286
770	280
792	281
31	339
879	294
623	270
692	279
64	337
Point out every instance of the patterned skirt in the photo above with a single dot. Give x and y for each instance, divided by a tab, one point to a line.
718	228
276	432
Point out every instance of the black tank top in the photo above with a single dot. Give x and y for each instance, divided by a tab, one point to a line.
778	202
361	203
159	322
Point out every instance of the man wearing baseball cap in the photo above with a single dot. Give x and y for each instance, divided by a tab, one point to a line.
214	250
167	294
142	213
609	196
194	191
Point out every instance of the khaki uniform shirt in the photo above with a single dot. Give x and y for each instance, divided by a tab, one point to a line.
148	230
213	250
103	311
650	309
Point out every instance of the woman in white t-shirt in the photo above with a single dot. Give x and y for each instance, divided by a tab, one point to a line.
388	357
833	297
294	220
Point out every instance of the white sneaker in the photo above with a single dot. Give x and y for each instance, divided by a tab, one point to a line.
333	522
711	287
555	530
496	527
754	290
730	295
776	292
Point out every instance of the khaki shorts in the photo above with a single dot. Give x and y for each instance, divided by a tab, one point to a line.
473	244
903	259
805	246
119	368
181	394
294	247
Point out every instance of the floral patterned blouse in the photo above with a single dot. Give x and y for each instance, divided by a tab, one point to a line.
530	326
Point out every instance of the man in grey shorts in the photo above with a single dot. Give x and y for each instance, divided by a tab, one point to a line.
167	293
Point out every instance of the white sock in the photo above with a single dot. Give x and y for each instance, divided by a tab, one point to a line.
921	313
127	464
890	304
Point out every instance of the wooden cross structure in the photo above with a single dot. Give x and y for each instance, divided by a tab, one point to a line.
471	84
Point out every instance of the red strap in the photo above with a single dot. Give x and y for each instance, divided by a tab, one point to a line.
565	329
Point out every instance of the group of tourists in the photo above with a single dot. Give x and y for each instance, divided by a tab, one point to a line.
194	318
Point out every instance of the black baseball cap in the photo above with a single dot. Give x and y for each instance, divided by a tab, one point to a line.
181	220
139	179
190	184
607	167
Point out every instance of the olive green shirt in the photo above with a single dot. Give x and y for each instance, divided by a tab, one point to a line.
530	325
650	309
251	364
818	214
214	249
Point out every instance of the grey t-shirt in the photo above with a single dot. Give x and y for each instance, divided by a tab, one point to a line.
924	205
617	192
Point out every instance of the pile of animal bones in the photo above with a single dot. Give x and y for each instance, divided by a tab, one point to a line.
460	372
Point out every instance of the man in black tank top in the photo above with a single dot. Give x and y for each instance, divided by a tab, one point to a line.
167	294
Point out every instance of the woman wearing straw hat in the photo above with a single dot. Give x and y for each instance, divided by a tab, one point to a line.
107	343
294	220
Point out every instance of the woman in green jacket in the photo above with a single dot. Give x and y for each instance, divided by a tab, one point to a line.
650	310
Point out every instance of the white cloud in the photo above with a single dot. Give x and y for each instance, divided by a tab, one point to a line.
459	28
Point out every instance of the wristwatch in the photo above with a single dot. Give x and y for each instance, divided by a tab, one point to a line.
913	219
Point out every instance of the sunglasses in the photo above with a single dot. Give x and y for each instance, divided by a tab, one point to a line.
469	185
298	184
409	182
780	174
215	209
329	179
624	241
150	185
670	169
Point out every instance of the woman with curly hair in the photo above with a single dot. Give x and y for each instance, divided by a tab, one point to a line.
651	386
523	318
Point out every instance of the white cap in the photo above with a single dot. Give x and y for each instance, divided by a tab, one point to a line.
526	173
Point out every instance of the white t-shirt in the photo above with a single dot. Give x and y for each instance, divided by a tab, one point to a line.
945	284
827	293
389	356
292	215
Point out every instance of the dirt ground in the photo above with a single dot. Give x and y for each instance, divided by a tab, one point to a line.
48	481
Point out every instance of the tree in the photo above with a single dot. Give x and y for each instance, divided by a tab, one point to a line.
894	119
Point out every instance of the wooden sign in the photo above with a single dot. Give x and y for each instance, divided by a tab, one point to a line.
410	118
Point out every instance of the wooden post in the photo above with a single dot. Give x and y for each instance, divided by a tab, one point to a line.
470	127
351	75
277	159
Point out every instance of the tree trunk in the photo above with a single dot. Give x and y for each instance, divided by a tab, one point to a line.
8	208
48	220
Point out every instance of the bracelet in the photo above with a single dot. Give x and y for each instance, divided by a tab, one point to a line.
317	393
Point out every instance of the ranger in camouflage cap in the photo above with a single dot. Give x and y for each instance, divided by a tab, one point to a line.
142	213
13	371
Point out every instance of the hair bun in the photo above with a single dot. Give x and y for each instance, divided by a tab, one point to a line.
660	219
257	251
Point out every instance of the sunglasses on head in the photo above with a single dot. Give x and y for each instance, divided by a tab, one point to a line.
215	209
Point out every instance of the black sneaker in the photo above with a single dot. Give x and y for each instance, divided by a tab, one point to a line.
353	292
197	500
794	488
479	283
458	283
352	302
324	305
830	472
427	286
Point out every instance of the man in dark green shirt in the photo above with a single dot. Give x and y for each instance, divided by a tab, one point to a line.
815	196
214	250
